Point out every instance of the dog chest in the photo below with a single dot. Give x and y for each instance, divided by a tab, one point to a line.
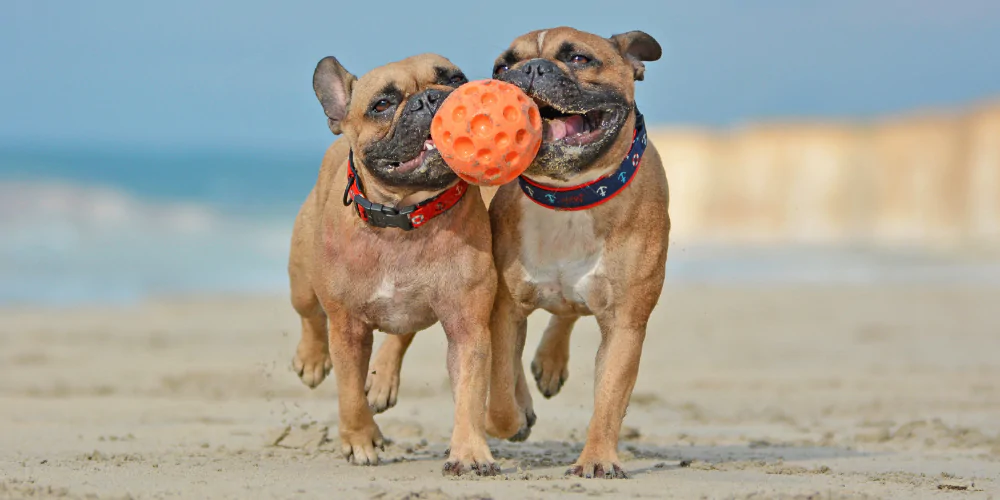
382	289
562	258
395	306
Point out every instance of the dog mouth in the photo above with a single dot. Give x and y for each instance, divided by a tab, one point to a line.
414	163
574	128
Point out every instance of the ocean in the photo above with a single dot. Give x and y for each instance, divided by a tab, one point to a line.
118	225
92	225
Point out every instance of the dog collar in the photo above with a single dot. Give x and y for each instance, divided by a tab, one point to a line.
591	194
405	218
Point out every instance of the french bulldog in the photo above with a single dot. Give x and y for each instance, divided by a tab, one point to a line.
584	231
391	239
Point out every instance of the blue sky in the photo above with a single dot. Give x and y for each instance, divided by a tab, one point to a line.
237	73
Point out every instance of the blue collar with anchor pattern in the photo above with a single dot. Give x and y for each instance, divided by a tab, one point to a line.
593	193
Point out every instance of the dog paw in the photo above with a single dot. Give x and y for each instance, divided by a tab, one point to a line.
361	447
312	363
524	432
474	459
457	468
514	426
597	469
550	371
381	387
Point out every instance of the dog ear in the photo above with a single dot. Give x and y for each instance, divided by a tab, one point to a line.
333	85
636	47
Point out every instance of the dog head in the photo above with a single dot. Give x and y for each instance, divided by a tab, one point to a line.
386	116
584	86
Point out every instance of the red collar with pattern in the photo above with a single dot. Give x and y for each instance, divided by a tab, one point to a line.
405	218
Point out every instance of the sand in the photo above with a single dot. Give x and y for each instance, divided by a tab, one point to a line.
824	392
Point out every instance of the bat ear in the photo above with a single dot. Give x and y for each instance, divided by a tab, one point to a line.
636	47
333	85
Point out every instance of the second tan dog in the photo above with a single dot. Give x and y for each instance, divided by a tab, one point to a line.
584	231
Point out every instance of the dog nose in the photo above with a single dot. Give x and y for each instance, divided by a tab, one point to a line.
536	68
429	99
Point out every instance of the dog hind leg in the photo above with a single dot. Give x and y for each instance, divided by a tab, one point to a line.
382	385
312	357
552	356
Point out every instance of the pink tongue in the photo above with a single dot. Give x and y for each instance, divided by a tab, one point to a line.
574	125
565	127
411	164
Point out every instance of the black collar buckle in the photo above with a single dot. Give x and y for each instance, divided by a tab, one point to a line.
375	214
380	215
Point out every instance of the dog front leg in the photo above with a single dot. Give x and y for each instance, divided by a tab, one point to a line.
350	349
510	414
616	371
468	366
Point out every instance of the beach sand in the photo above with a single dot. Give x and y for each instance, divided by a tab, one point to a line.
823	392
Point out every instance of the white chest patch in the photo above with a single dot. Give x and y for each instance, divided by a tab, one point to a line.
561	256
386	289
395	308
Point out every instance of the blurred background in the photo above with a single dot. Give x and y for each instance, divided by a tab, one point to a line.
152	149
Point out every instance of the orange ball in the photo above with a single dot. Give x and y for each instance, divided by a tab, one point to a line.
488	132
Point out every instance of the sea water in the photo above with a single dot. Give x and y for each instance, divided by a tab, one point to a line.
109	224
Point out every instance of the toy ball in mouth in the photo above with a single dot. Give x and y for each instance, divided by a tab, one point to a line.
488	132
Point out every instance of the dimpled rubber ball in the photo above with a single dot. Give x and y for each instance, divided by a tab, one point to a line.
487	131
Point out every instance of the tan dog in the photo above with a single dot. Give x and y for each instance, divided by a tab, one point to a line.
584	231
414	249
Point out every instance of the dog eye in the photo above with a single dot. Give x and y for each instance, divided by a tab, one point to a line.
459	78
381	105
579	59
501	68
